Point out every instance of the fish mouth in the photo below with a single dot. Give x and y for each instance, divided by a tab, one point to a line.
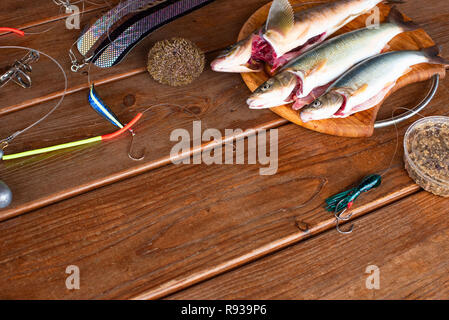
262	51
306	117
258	102
308	114
222	65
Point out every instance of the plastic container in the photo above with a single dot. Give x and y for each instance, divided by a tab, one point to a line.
426	154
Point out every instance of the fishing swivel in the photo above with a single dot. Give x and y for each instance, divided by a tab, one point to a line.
20	71
77	64
63	3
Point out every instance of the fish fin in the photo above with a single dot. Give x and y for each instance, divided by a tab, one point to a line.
281	17
387	48
319	66
360	90
374	101
389	86
432	53
395	17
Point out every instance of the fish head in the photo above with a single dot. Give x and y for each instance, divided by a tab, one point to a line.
324	107
276	91
237	58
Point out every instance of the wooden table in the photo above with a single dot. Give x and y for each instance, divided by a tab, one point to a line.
153	229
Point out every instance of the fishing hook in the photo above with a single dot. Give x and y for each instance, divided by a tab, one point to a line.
339	218
130	151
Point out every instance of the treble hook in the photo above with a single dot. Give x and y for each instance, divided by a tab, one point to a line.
130	153
338	217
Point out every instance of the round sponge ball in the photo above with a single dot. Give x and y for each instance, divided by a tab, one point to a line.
175	62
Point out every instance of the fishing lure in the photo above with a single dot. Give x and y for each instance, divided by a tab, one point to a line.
343	201
74	143
98	105
115	34
94	36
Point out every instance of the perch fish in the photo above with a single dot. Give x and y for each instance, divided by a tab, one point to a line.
308	76
368	83
287	34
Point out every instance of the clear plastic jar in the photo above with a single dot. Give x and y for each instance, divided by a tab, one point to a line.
426	154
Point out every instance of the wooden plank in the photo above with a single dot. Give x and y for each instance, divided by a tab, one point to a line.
162	231
48	82
23	14
408	241
129	240
43	180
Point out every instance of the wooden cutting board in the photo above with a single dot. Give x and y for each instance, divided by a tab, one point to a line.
360	124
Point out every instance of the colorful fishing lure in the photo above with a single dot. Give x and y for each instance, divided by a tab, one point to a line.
106	137
98	105
115	34
343	201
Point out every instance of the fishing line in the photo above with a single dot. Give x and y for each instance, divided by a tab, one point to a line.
397	138
62	4
61	99
185	110
180	107
340	203
75	143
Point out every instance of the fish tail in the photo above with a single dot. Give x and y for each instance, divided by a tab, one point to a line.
432	53
397	18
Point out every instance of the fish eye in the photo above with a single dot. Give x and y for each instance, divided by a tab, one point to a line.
227	51
316	103
266	86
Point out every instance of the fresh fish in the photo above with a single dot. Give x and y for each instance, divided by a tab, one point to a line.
316	69
367	84
287	34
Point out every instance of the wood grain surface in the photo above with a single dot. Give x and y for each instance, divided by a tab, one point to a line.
24	14
148	229
408	241
360	124
148	247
